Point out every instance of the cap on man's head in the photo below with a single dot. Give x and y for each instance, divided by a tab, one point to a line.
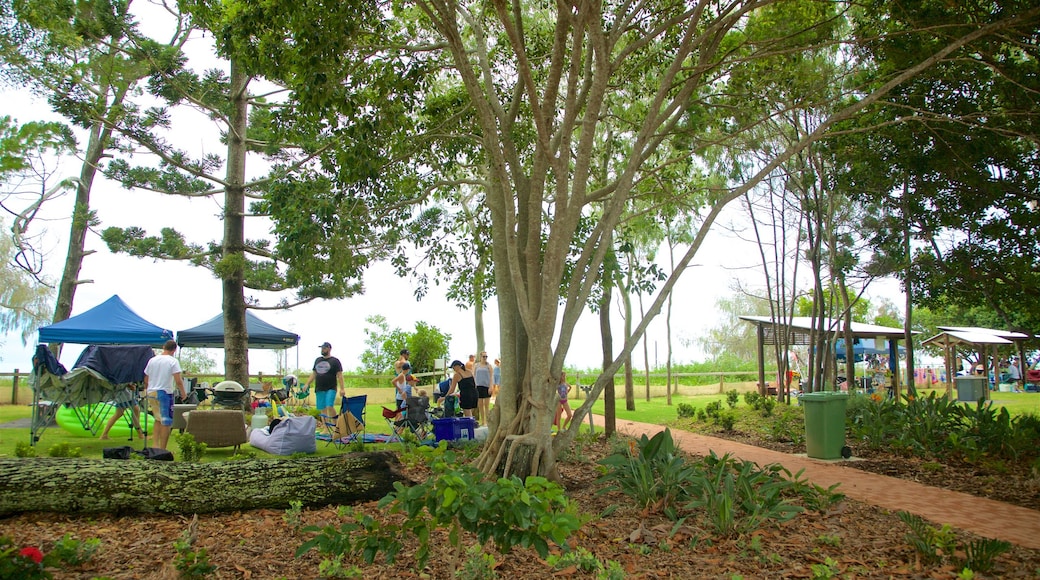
325	345
456	363
405	351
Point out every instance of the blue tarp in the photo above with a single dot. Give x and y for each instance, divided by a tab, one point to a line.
210	334
111	322
118	364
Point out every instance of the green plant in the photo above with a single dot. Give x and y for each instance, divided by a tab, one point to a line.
23	449
829	540
333	568
582	559
190	563
931	544
713	408
752	398
74	552
292	514
787	427
191	450
650	471
686	410
240	456
702	415
477	565
64	450
458	498
727	420
732	398
766	406
612	571
738	496
828	569
980	554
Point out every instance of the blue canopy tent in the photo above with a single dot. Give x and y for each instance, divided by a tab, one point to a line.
99	373
859	351
210	334
111	322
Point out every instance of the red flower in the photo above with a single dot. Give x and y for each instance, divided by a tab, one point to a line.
32	553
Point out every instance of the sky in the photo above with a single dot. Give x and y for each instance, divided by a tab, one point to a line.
179	296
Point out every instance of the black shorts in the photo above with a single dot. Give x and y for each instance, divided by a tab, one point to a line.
468	398
483	392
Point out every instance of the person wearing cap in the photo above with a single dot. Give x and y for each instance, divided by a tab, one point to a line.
405	354
462	381
326	374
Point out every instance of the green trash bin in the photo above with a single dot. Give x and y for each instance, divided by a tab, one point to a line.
970	389
825	424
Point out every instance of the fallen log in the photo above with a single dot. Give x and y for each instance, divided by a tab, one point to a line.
64	485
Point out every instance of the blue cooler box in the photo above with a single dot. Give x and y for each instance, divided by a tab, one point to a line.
454	428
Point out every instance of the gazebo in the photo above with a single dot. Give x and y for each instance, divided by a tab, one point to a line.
799	328
979	339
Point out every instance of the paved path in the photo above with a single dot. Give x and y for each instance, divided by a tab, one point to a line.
985	517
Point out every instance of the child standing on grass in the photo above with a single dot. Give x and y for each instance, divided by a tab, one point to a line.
563	407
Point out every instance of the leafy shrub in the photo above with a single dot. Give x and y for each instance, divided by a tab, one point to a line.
751	399
23	449
702	415
727	420
686	410
713	409
650	471
738	497
30	563
458	498
787	427
191	450
936	545
732	398
64	450
766	406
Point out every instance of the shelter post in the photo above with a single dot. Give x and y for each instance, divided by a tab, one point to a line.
761	361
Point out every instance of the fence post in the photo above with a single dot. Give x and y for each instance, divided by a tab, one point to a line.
14	388
722	380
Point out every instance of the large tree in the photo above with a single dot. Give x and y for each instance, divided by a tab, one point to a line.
575	107
950	166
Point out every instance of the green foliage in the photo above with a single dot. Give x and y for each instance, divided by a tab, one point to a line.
582	559
477	565
937	545
650	471
738	497
686	410
727	419
190	563
788	426
24	449
732	398
64	449
825	571
751	398
457	498
979	555
426	344
30	563
191	451
713	409
292	514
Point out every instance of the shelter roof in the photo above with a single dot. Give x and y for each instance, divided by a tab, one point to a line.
799	328
1007	334
964	336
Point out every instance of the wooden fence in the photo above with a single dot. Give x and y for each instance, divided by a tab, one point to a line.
16	387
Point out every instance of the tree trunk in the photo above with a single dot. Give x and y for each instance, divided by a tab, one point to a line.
63	485
232	267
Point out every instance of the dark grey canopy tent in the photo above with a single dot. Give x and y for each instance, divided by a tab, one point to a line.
210	334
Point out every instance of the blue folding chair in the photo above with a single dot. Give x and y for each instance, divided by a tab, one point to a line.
346	427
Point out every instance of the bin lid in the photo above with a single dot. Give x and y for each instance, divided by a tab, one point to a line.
823	395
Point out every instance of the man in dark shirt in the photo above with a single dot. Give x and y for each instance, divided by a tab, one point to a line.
326	374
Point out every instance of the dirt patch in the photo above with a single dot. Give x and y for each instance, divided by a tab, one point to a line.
850	539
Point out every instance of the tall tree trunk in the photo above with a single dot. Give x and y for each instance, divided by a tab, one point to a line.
630	389
607	345
908	336
646	354
232	267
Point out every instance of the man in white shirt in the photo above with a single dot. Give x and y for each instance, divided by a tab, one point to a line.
162	380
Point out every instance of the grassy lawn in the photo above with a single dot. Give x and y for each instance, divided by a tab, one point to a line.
656	411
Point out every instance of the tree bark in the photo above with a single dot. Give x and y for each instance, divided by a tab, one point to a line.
232	268
64	485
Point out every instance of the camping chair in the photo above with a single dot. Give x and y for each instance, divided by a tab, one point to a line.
416	417
393	421
346	427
